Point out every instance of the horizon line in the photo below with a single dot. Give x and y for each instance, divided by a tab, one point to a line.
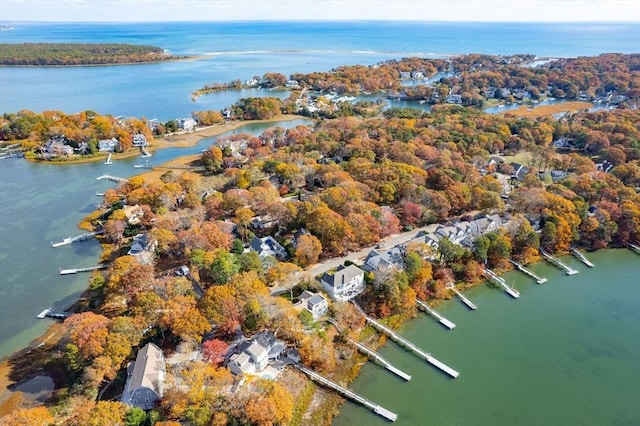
323	20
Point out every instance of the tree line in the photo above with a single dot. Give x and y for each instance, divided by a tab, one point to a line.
65	54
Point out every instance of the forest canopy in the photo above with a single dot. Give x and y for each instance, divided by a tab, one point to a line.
59	54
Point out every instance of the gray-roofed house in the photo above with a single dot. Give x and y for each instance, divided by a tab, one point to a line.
384	262
142	248
253	356
268	246
344	284
145	378
315	303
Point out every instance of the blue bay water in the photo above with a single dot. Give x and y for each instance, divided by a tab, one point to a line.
244	49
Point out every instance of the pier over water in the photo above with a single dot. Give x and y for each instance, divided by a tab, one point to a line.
577	253
539	280
442	320
558	263
509	290
407	344
379	410
462	297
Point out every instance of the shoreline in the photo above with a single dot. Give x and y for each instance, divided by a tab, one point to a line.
175	140
53	333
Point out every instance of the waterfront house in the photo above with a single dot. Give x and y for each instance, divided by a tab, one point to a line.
253	356
142	248
315	303
108	145
57	146
145	378
344	284
268	246
139	140
186	124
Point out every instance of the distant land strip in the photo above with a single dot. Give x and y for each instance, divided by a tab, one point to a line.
73	54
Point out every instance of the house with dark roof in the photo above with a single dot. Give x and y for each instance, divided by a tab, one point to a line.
145	378
266	247
519	171
344	284
142	248
315	303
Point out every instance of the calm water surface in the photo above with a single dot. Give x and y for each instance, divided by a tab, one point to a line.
566	353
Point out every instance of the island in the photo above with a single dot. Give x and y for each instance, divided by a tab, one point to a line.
74	54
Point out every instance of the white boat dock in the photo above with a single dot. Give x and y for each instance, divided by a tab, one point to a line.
76	270
386	364
450	325
462	297
635	248
577	253
379	410
539	280
111	178
558	263
108	160
407	344
71	240
498	279
43	314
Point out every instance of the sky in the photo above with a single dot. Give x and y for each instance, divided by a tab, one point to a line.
249	10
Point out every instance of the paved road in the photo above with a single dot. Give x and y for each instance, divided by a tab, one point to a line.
356	257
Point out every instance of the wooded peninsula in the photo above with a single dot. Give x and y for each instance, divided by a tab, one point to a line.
242	263
70	54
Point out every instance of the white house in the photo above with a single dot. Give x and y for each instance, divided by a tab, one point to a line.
145	378
108	145
315	303
344	284
186	124
140	140
253	356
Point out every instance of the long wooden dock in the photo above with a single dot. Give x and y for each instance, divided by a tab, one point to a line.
379	410
76	270
407	344
372	354
450	325
498	279
377	357
577	253
462	297
634	248
108	160
558	263
71	240
539	280
111	178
